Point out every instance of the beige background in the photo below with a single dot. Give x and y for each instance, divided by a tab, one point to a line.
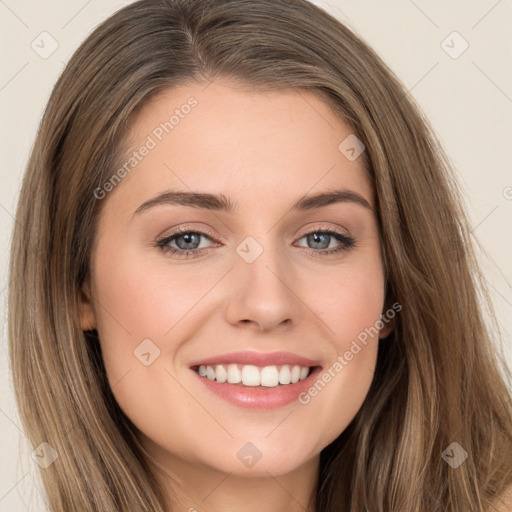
468	100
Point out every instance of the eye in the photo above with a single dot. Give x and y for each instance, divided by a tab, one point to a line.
321	239
188	242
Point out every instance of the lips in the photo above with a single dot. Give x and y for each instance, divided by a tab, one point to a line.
257	359
257	397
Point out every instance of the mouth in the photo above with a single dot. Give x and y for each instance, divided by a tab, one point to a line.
254	380
254	376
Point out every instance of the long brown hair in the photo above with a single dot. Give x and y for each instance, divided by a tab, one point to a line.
438	378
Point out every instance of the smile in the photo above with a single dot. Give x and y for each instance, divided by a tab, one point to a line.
251	375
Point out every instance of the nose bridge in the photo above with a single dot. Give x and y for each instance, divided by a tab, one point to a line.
261	289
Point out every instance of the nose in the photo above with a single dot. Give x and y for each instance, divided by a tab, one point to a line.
262	295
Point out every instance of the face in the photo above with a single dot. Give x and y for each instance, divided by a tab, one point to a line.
247	292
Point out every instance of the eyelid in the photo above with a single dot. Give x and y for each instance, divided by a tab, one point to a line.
190	229
325	227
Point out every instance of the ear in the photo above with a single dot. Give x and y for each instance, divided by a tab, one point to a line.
87	315
391	308
388	328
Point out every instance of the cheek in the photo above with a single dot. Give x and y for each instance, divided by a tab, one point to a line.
351	301
352	307
139	301
138	308
139	311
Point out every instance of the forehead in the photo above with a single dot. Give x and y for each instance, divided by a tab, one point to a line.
250	145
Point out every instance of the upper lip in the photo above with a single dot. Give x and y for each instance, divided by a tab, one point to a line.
257	359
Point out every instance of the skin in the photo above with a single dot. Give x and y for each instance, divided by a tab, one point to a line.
263	151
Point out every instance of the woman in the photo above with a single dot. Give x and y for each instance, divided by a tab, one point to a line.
248	278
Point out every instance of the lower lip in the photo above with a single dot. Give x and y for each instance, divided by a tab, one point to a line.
256	397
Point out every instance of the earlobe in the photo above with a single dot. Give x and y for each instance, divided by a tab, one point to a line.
87	315
389	326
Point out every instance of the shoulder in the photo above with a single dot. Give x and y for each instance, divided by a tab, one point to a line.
504	503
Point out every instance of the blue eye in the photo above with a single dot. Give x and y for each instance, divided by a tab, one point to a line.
188	242
322	239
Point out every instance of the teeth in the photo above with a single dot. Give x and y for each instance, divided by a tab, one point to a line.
285	376
221	375
270	376
234	374
210	373
250	375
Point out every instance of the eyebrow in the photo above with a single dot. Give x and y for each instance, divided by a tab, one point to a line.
219	202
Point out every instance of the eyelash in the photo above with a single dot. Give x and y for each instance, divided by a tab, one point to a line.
347	242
